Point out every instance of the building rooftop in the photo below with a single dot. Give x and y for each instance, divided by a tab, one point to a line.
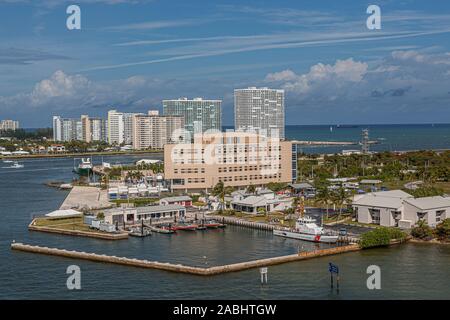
63	213
370	181
391	194
177	198
252	201
146	209
429	202
160	208
301	185
385	199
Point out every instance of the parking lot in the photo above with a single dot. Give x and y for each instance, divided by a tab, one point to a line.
352	230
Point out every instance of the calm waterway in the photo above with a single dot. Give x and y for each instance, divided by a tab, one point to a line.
409	271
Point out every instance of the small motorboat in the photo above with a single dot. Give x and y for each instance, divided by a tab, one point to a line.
184	227
214	225
8	161
140	231
163	229
15	165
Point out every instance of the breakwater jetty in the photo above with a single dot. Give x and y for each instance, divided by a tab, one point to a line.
182	268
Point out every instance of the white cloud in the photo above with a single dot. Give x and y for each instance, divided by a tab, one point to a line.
404	78
321	75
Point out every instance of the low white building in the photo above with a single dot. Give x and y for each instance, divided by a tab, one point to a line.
252	204
431	209
397	208
167	213
383	208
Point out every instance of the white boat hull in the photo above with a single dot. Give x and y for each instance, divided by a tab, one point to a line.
305	236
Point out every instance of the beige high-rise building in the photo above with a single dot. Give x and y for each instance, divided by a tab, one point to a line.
236	158
86	128
9	125
154	131
93	129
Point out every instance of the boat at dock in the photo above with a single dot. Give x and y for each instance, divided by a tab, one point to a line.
162	229
184	227
306	229
214	225
84	168
141	231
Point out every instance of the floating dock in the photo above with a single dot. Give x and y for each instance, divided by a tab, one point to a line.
182	268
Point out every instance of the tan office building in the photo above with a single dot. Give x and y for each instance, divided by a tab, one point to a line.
236	158
154	131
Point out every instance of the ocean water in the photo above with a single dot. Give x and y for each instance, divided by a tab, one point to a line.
390	137
408	271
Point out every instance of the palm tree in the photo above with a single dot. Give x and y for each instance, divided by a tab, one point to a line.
323	197
221	191
341	198
251	189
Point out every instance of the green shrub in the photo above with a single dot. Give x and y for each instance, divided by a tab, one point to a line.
380	237
443	230
422	231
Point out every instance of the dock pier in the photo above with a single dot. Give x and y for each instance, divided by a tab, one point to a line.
270	227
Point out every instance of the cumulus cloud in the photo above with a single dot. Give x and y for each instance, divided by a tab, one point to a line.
75	94
321	76
404	85
400	74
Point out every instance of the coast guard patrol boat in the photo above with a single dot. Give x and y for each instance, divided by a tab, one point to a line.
306	229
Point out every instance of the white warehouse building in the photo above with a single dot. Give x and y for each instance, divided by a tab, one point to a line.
397	208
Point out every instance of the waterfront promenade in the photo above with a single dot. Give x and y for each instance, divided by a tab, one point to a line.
86	197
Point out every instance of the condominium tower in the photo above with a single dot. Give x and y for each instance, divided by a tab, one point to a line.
93	129
120	127
199	114
154	131
67	129
9	125
260	110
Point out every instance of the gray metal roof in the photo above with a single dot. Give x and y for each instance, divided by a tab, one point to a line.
252	201
301	185
159	208
384	199
370	181
177	198
429	202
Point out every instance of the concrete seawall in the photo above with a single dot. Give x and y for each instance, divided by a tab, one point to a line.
182	268
79	233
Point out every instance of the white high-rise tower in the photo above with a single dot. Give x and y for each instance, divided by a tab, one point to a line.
260	110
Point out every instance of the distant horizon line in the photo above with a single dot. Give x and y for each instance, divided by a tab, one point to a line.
318	125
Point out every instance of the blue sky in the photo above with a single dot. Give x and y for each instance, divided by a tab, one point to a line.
130	55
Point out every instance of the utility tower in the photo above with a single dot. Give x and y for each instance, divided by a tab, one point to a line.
365	141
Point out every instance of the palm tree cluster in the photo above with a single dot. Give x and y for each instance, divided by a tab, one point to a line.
220	191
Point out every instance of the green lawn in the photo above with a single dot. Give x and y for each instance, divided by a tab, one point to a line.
46	222
138	202
76	224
